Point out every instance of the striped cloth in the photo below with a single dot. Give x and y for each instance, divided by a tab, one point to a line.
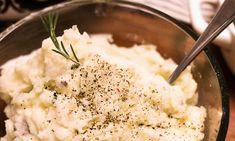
178	9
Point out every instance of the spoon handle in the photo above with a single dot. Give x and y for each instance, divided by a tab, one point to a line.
222	19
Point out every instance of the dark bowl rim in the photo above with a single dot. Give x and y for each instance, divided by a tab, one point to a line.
182	26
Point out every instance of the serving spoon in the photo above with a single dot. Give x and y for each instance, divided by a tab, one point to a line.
223	18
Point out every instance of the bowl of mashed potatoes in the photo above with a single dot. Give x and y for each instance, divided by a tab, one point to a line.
126	52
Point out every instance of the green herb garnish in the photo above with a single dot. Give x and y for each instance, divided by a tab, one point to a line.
50	22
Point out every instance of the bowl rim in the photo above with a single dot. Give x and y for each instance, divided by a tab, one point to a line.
182	26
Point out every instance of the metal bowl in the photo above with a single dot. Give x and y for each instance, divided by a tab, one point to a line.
129	23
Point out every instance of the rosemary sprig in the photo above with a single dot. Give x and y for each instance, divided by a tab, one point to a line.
50	22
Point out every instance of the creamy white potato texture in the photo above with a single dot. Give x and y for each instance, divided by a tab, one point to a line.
116	94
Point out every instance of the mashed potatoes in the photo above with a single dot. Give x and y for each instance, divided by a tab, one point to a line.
116	94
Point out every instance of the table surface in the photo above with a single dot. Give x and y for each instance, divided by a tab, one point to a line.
231	87
231	129
230	81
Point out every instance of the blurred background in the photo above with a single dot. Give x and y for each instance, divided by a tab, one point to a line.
194	13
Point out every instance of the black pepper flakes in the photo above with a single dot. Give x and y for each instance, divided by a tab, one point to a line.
55	95
64	83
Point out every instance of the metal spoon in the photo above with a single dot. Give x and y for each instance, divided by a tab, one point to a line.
222	19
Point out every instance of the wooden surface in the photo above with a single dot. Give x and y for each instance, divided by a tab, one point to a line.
231	129
230	80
